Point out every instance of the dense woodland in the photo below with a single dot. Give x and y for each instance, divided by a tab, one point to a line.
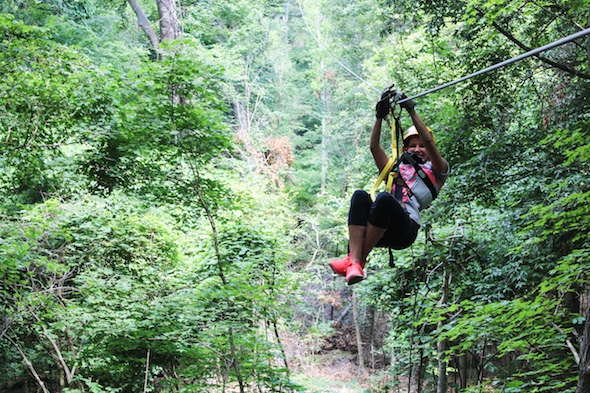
175	176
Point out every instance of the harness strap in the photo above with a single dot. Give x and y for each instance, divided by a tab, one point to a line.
400	182
384	172
390	169
422	175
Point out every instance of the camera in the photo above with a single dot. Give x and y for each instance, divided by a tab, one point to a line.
410	158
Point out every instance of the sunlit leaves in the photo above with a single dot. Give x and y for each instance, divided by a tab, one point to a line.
51	97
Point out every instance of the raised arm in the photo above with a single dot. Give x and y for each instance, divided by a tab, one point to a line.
438	162
377	151
381	111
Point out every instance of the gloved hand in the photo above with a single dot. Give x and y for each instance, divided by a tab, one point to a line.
409	104
383	106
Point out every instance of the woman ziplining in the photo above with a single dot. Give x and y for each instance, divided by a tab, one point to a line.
392	218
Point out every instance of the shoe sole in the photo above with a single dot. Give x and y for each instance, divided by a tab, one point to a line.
355	279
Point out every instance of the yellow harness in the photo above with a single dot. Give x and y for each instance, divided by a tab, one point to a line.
389	170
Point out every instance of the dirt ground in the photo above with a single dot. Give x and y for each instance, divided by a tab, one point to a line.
330	371
333	372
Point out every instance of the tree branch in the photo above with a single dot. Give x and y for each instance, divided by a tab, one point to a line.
568	343
62	362
563	67
234	361
588	42
29	366
144	23
554	64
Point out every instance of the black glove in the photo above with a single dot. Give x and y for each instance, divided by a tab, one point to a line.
383	107
409	104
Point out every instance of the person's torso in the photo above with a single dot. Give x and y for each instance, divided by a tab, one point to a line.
418	197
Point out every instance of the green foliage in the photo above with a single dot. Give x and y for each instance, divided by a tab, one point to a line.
566	216
157	144
184	255
95	273
115	286
521	332
52	98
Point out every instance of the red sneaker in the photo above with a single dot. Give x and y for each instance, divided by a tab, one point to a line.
339	266
354	274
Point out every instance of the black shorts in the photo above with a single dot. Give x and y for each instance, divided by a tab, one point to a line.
385	212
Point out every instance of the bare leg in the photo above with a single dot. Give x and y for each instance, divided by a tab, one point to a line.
356	240
372	236
362	240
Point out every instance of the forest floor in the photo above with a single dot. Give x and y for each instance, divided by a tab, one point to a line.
329	371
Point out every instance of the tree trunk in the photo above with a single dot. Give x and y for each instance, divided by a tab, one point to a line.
324	156
147	372
325	97
588	42
232	361
417	374
325	101
442	346
357	327
168	18
144	23
371	326
462	367
584	366
169	28
30	366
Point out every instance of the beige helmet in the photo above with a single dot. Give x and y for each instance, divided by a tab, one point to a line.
411	131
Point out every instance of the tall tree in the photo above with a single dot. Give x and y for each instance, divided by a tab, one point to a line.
168	18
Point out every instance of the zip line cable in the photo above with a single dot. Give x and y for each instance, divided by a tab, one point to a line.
504	63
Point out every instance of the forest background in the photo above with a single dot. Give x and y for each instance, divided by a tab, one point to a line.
176	175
